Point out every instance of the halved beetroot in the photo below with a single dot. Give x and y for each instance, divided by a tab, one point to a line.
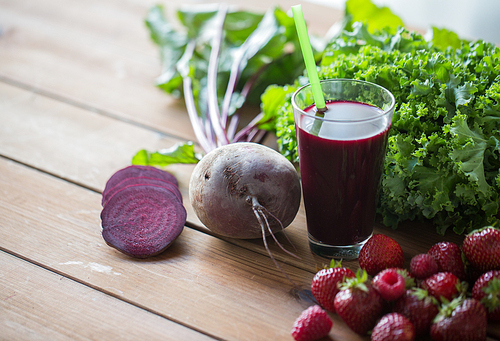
138	171
142	220
141	180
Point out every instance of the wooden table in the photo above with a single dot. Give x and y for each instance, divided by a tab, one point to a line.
77	100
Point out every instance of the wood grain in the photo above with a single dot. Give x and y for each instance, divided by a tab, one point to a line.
72	51
37	304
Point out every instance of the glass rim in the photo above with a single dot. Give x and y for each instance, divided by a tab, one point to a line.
345	80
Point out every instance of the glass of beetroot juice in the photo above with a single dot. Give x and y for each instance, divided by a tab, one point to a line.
341	159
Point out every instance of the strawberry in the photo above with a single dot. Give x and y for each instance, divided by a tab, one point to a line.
482	248
358	304
459	320
419	307
393	327
390	284
380	252
423	265
448	257
442	285
487	290
325	284
312	324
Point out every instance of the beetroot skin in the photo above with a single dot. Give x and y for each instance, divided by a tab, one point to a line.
138	171
141	180
245	190
141	218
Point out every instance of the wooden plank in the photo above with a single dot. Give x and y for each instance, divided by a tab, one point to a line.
98	54
56	224
36	304
75	50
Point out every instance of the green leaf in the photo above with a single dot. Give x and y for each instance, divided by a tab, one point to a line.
377	18
197	20
444	38
272	99
179	153
491	299
172	46
464	94
469	153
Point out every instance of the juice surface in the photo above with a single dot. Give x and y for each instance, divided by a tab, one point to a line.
341	177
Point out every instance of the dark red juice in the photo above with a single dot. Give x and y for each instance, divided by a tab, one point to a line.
341	171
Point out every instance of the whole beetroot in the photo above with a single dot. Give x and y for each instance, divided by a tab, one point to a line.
245	190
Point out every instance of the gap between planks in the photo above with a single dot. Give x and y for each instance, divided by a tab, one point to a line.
82	282
49	272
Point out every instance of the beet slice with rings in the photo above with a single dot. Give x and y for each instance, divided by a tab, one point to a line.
140	180
142	220
138	171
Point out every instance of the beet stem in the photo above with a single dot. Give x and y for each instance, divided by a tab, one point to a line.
241	135
213	105
195	119
233	126
193	116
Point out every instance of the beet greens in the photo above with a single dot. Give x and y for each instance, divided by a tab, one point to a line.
219	60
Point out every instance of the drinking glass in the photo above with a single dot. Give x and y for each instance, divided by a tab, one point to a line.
341	160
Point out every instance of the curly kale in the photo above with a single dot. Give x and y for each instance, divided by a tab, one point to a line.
443	155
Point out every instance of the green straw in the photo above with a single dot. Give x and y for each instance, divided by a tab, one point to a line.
305	45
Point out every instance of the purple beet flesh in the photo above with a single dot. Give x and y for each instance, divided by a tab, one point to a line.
142	211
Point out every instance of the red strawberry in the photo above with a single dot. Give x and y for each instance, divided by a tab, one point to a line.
423	266
393	327
442	285
380	252
419	307
358	304
448	257
487	291
314	323
482	249
325	284
461	319
390	284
